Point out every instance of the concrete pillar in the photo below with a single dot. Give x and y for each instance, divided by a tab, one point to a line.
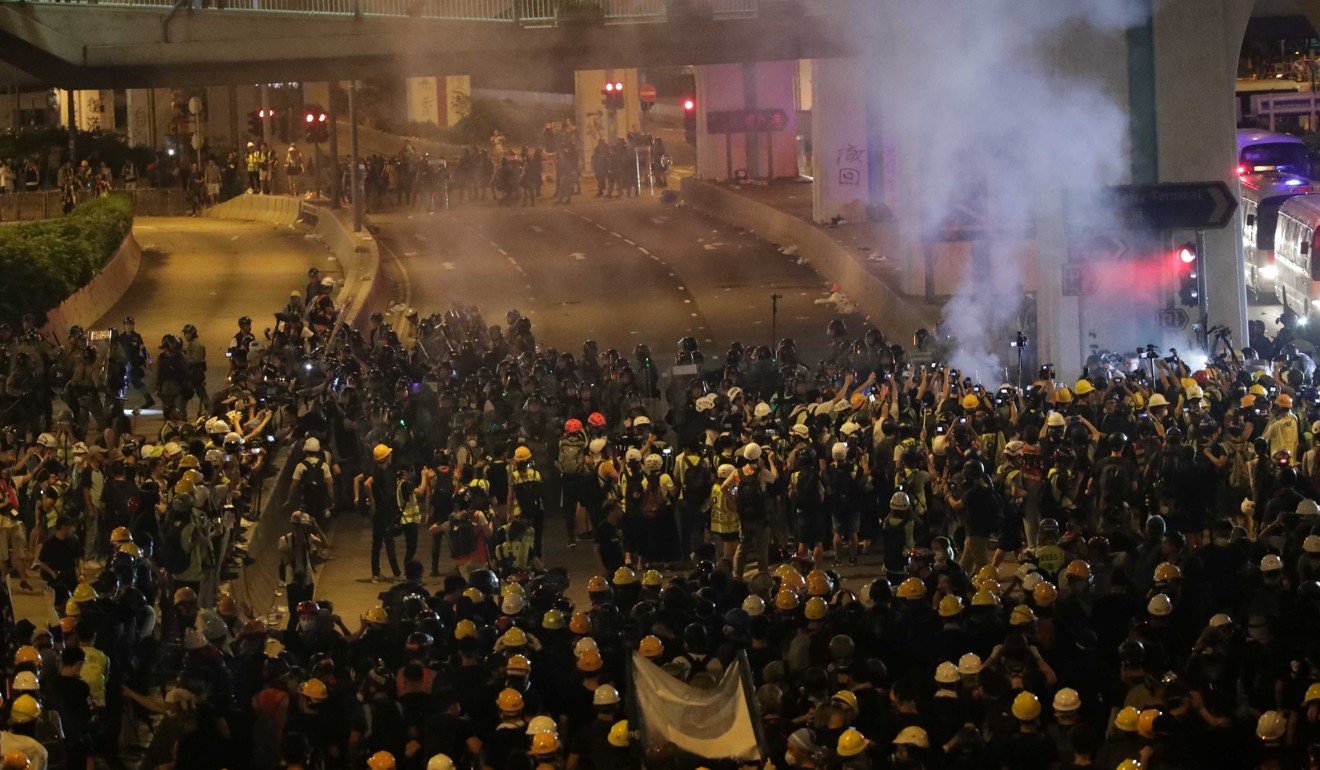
220	121
840	154
740	87
593	120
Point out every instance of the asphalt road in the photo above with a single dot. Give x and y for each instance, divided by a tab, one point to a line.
618	271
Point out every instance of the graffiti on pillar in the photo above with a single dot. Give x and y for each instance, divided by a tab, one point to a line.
850	160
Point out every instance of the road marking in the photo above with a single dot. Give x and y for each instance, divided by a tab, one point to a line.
448	265
629	242
579	256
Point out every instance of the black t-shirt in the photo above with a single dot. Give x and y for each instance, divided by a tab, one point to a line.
62	555
983	515
611	550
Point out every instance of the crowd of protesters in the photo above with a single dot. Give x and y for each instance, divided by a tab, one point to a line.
1116	571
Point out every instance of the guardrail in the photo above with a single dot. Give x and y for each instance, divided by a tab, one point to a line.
522	12
49	204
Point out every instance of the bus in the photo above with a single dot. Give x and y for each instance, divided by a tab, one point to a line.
1266	151
1261	196
1294	253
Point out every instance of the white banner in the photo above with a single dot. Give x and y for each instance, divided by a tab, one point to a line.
712	724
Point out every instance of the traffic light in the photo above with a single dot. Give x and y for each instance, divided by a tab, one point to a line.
316	126
690	120
612	95
1189	279
255	120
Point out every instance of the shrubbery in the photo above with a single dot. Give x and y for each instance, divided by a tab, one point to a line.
42	263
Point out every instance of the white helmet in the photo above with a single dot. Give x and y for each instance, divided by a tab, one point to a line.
1031	580
705	403
762	409
800	430
752	452
1157	400
542	724
724	471
849	428
653	462
754	605
900	501
513	604
839	451
26	681
605	695
938	445
1308	507
1271	563
1160	605
216	425
581	646
734	392
946	673
1067	700
633	455
1220	619
312	444
641	420
597	445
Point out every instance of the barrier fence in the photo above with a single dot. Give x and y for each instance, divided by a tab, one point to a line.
49	204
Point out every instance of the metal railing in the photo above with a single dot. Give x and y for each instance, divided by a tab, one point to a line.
49	204
524	12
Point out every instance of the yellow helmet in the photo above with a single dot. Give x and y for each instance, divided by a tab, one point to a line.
131	549
1165	572
1257	390
1078	568
1062	395
71	608
464	628
512	588
473	595
25	709
984	598
950	606
1026	706
597	584
782	570
1126	719
847	698
590	661
377	616
816	608
1044	593
1083	387
970	402
987	572
120	535
792	581
514	637
580	623
653	579
16	760
623	576
1021	616
651	647
851	743
509	700
84	593
1312	694
1130	764
26	654
518	664
314	689
819	584
552	620
381	760
1146	722
548	743
522	454
786	601
381	453
619	734
911	588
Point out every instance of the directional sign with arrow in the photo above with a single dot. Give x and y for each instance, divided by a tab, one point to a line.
1178	205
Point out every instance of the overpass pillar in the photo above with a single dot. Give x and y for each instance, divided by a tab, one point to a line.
770	85
841	163
593	120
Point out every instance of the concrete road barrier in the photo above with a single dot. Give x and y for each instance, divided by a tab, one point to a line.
89	303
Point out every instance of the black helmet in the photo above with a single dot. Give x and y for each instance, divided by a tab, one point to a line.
242	320
836	329
842	648
1117	441
880	591
1132	653
485	581
972	469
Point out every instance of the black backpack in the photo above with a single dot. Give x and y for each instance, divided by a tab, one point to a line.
529	497
751	498
810	490
462	534
173	554
697	480
313	483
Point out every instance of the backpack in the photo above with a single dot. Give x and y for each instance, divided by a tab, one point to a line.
750	497
478	498
572	458
529	496
173	554
462	534
843	485
652	497
1111	485
696	479
313	483
810	490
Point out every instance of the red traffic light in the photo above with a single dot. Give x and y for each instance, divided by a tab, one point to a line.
265	113
618	86
322	118
1187	253
689	105
310	117
609	87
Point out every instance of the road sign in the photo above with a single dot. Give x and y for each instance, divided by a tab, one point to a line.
1173	318
1178	205
646	93
1078	280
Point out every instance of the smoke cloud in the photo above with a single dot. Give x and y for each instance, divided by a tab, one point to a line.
1006	116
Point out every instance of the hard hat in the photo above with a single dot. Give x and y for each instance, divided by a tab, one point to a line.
440	762
1130	764
1044	594
1055	420
1032	580
1026	706
377	616
518	664
618	736
793	581
1062	395
27	654
597	445
946	673
818	583
847	698
552	620
1220	619
623	576
1083	387
1159	605
751	451
654	462
762	409
464	628
522	454
509	700
381	760
1283	401
786	600
226	606
1312	694
1021	616
1078	568
1166	571
755	605
1157	400
120	535
605	695
314	689
1311	544
1270	726
25	681
1194	392
724	471
851	743
131	549
1146	722
642	420
816	608
573	426
84	593
911	588
25	709
1067	700
900	501
597	420
1271	563
598	584
16	760
651	647
312	445
381	452
514	637
513	604
652	578
985	598
1126	720
541	724
912	736
1308	507
970	401
544	743
71	608
589	661
473	594
579	623
950	606
839	451
633	455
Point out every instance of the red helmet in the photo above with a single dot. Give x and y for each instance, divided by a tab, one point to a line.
596	420
573	426
306	607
